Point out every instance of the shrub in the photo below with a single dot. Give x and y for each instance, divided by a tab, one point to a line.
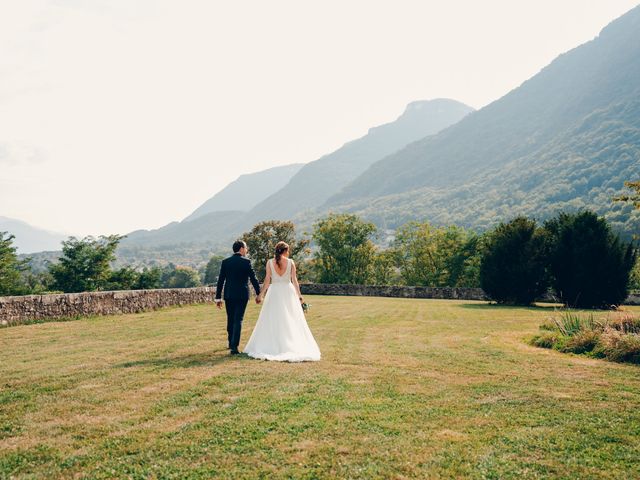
571	323
626	323
582	342
589	265
549	325
545	339
617	339
618	346
512	268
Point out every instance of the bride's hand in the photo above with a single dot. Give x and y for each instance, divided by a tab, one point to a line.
301	300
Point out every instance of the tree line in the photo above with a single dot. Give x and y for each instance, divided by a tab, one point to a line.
86	265
576	257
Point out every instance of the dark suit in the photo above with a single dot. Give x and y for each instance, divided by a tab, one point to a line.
235	273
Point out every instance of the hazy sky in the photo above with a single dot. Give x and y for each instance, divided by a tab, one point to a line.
118	115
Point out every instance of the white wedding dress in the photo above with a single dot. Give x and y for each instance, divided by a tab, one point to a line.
281	332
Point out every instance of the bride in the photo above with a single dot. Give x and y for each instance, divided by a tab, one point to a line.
281	332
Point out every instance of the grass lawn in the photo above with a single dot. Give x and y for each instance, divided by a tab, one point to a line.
406	389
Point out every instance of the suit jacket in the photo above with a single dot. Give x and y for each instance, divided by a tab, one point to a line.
235	272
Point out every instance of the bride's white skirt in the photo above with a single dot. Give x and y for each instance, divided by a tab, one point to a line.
281	332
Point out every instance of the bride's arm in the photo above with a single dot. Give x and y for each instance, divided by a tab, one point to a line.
267	282
294	280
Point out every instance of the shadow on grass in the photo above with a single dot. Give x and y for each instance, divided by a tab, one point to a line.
492	306
207	359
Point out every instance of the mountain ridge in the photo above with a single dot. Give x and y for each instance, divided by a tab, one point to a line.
30	239
317	180
247	190
523	125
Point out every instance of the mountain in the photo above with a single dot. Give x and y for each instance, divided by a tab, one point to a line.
30	239
317	181
247	190
203	230
219	220
565	139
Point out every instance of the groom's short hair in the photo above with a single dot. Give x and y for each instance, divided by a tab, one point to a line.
237	245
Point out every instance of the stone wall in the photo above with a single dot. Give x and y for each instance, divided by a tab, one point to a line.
17	310
448	293
393	291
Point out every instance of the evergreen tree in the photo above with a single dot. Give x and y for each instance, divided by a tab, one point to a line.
513	264
590	266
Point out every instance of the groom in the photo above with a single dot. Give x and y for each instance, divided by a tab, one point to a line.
235	271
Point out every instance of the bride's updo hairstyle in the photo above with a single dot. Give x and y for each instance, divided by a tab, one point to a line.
281	247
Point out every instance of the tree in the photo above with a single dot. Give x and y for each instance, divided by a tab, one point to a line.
85	263
345	251
513	265
125	278
149	278
212	269
10	267
590	266
262	240
634	282
634	196
439	257
183	277
384	271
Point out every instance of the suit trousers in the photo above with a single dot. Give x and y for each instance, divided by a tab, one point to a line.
235	315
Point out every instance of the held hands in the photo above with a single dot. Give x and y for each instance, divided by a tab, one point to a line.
258	299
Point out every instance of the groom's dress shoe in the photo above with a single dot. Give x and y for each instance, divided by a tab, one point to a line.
234	351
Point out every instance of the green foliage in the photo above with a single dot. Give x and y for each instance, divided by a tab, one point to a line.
149	278
512	268
590	266
619	347
36	283
439	257
212	269
125	278
545	339
633	197
11	282
634	280
180	277
571	323
85	264
565	140
582	342
262	240
615	338
345	251
384	270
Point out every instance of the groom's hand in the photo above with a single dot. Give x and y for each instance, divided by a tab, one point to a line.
258	300
219	304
